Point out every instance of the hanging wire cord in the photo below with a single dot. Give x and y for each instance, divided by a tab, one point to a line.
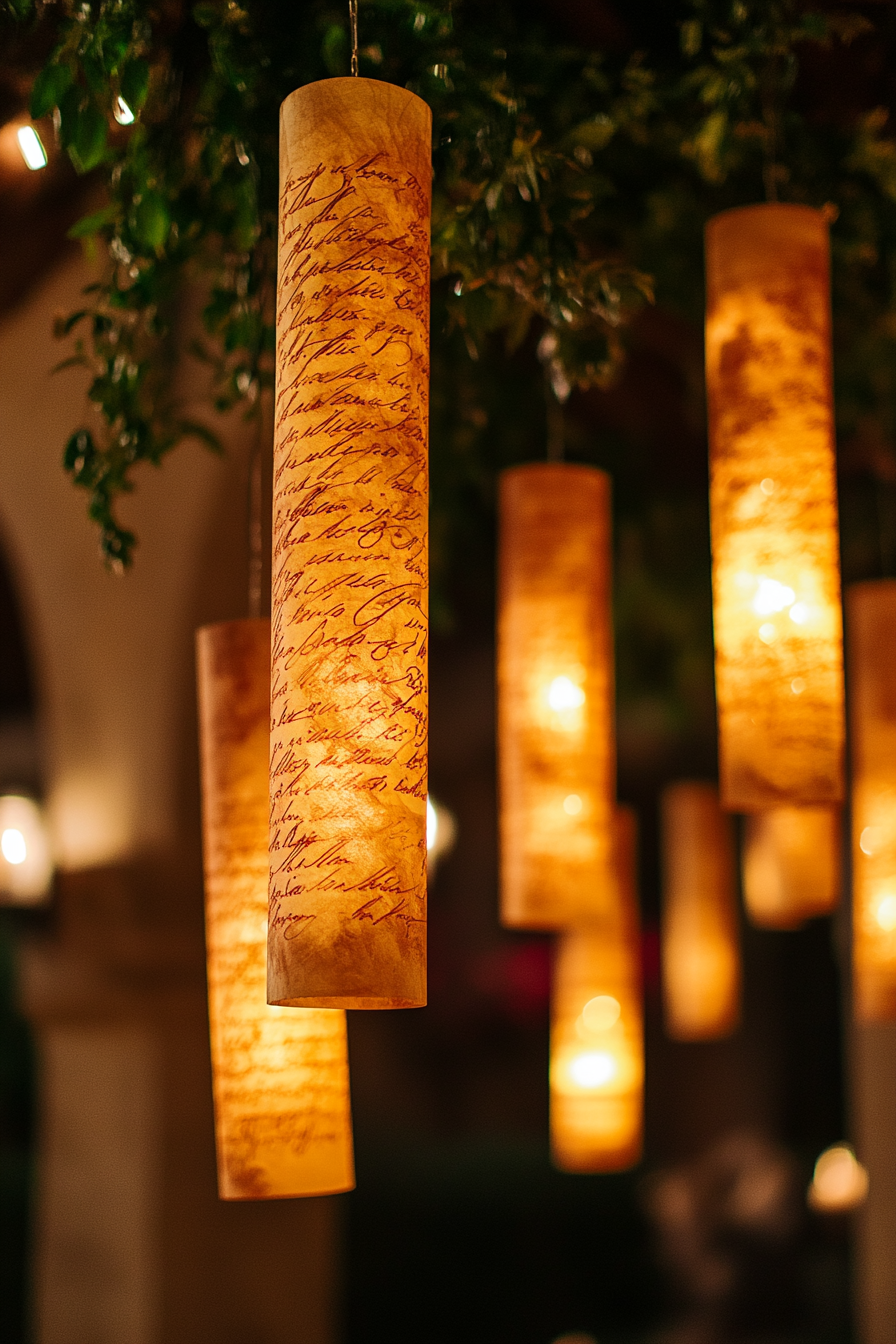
353	19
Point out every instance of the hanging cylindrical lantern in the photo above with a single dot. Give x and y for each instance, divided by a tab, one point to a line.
791	865
349	581
282	1115
773	505
556	750
700	939
597	1037
871	634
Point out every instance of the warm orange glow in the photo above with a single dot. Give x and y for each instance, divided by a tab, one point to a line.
773	503
871	631
555	694
700	942
791	865
350	627
839	1183
597	1045
282	1118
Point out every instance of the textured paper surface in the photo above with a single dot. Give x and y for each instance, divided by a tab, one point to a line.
700	940
773	504
871	647
349	597
556	718
597	1053
282	1115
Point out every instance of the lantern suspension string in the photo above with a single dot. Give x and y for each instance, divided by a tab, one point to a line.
353	19
255	529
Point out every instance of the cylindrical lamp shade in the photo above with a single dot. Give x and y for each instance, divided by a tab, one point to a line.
597	1035
871	648
349	581
773	506
281	1088
700	939
791	865
555	694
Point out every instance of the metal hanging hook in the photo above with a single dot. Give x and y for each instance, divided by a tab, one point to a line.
353	19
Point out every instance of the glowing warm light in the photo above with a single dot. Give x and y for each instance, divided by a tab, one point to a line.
791	865
871	632
597	1052
700	942
350	578
840	1182
441	832
282	1115
26	869
779	682
122	113
30	144
556	750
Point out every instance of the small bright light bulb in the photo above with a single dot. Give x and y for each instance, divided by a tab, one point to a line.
772	596
799	613
868	840
122	113
572	804
767	486
565	694
886	913
12	843
767	632
593	1069
840	1182
33	151
601	1013
432	824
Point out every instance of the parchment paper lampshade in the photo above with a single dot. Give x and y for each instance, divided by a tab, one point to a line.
597	1040
791	865
773	505
556	749
871	632
349	595
700	942
282	1115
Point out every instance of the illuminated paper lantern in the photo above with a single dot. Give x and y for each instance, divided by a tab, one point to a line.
700	942
871	631
791	865
349	584
282	1115
597	1035
773	505
555	694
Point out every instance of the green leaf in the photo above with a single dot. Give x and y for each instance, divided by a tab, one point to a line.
92	224
88	142
152	221
334	50
135	84
49	87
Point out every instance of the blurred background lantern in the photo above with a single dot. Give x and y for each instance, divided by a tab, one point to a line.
26	866
871	631
700	940
791	865
281	1086
839	1182
555	694
349	584
773	505
441	833
597	1035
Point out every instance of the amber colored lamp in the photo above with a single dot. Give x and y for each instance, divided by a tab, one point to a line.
556	749
700	940
350	570
281	1087
871	648
597	1035
791	865
773	506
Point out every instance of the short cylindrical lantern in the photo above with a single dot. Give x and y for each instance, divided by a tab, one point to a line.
700	940
282	1116
597	1038
791	865
555	694
871	648
773	505
349	597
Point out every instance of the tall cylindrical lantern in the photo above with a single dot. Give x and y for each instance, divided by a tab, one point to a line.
282	1116
871	648
597	1037
700	939
556	750
791	865
773	505
349	581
